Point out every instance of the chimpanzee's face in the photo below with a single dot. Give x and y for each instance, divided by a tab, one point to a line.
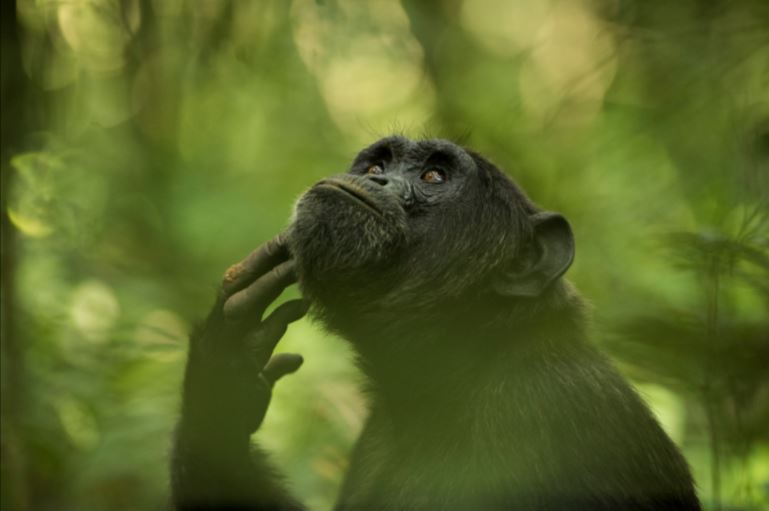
405	216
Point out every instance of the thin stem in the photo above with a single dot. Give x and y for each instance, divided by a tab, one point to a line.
711	395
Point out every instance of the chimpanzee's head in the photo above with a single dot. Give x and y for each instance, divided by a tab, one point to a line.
417	225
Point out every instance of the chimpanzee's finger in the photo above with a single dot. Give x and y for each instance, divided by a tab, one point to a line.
264	339
257	263
281	365
254	299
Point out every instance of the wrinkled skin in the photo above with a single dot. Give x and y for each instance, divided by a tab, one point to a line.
485	393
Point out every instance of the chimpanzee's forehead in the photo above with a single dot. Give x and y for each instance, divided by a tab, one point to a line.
404	149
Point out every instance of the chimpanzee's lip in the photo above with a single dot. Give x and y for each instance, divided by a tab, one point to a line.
355	192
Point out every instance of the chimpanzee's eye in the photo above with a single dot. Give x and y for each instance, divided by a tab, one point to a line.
375	169
435	176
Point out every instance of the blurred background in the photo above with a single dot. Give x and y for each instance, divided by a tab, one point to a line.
148	144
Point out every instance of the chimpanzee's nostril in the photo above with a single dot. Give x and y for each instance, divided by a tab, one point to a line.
379	179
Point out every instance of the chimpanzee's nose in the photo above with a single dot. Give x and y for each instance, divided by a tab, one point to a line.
394	185
379	179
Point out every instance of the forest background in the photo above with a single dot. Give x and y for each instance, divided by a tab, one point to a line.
148	144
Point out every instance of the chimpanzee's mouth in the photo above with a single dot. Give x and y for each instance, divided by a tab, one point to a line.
357	193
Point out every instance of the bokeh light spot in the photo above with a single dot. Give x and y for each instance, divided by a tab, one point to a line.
94	310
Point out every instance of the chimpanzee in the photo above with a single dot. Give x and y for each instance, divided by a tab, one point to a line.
485	392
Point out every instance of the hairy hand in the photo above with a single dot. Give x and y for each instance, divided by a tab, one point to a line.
231	370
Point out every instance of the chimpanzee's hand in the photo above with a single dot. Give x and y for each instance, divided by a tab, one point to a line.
230	371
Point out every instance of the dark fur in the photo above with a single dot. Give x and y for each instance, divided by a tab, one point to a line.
479	400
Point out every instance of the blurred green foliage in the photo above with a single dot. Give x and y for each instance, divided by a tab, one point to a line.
148	144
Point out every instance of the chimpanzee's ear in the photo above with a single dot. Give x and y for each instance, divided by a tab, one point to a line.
548	257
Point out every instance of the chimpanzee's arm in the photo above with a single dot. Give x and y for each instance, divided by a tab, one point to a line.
227	389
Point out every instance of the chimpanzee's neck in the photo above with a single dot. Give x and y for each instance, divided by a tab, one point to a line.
431	361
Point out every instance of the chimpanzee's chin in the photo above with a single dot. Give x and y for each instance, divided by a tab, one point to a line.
334	241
